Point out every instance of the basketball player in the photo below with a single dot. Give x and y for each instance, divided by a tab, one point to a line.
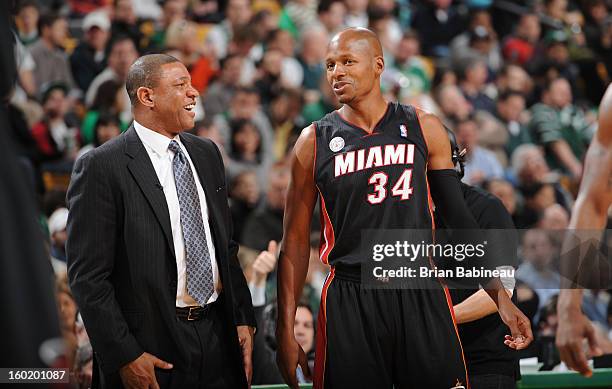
372	338
589	215
490	364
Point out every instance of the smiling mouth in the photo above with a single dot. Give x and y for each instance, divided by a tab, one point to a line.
340	85
189	107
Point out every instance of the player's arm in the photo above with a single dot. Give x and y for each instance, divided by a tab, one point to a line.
448	197
295	252
588	217
477	306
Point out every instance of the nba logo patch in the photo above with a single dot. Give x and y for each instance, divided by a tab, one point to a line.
403	131
336	144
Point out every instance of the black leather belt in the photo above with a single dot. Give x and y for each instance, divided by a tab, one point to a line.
192	313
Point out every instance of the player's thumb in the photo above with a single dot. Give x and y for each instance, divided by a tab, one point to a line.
272	247
161	364
596	351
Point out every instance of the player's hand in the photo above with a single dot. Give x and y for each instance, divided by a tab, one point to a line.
288	356
245	338
572	329
140	373
518	323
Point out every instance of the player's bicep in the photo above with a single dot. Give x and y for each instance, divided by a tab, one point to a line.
597	179
301	194
437	140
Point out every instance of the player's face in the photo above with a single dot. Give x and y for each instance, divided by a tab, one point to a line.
352	69
175	98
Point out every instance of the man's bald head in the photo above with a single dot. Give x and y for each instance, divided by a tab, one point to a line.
358	36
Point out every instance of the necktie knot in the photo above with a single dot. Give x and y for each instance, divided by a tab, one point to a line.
174	147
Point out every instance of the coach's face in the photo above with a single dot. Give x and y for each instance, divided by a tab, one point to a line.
174	98
352	68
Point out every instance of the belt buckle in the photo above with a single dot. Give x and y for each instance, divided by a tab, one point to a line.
189	318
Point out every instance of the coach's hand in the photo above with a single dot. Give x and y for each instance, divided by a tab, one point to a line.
140	373
572	330
517	322
245	338
288	356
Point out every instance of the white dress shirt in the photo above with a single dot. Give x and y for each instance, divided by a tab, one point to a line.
156	145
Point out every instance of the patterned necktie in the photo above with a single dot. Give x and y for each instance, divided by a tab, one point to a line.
200	284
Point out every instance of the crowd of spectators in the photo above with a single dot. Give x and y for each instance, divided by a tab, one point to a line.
518	82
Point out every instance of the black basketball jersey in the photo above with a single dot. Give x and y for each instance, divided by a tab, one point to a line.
369	181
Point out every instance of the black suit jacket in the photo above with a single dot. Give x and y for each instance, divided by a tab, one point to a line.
120	252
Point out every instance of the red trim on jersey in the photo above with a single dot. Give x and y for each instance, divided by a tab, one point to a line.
327	233
416	113
321	348
314	162
449	302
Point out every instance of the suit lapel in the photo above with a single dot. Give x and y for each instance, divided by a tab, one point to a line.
144	174
209	182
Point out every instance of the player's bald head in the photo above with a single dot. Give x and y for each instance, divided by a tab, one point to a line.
357	37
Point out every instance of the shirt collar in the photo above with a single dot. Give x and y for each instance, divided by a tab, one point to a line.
157	142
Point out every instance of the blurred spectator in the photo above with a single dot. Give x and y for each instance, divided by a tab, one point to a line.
538	196
172	11
437	22
300	15
26	21
554	218
106	128
455	107
124	23
481	163
554	60
121	56
318	104
408	71
245	105
57	231
332	14
246	150
514	78
383	23
560	127
238	13
473	76
183	44
266	223
207	129
479	40
504	191
220	92
56	135
595	304
291	73
304	331
510	108
89	57
244	199
538	254
269	80
520	47
51	60
68	315
312	56
109	99
284	113
356	13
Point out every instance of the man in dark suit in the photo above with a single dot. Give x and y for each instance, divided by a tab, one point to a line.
150	260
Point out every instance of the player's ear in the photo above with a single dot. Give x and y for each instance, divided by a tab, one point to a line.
379	65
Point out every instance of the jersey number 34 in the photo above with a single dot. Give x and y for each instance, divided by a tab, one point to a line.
401	189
